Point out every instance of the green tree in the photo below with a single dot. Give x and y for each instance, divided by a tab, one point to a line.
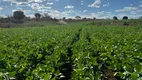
46	16
77	17
64	18
115	18
125	17
140	17
19	15
94	18
37	15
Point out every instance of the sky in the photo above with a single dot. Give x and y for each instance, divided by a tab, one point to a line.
102	9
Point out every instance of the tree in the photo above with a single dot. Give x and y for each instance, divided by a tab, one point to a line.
9	17
140	17
115	18
84	18
19	15
46	16
37	15
94	18
77	17
64	18
70	19
125	17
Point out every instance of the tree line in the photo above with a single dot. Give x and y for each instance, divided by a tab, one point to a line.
19	15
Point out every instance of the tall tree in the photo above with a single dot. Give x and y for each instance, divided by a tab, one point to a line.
84	18
19	15
64	18
115	18
46	16
94	17
77	17
125	17
140	17
37	15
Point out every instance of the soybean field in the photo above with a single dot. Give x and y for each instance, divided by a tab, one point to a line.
71	52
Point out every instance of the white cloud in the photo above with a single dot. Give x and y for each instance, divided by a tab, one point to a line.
131	4
30	15
69	7
49	3
139	10
29	3
133	12
94	14
82	2
102	15
10	0
106	5
20	4
57	0
45	9
96	4
57	14
69	11
39	7
127	9
140	5
130	16
24	0
1	8
35	6
13	4
85	10
35	0
25	11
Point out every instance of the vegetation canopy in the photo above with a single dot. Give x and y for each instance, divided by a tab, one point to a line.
75	51
125	17
19	15
37	15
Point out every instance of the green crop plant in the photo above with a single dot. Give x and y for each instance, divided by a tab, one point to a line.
80	51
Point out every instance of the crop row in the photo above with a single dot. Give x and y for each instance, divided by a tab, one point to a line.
78	53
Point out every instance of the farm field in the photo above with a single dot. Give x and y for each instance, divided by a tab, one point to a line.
76	51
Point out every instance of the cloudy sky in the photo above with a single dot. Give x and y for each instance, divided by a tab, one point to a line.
71	8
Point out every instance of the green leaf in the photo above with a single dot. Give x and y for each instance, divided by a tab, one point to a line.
1	76
138	68
134	76
12	74
39	56
47	77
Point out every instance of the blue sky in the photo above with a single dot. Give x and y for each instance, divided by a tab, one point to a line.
72	8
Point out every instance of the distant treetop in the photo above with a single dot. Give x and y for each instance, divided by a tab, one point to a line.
140	17
115	18
77	17
18	15
125	17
